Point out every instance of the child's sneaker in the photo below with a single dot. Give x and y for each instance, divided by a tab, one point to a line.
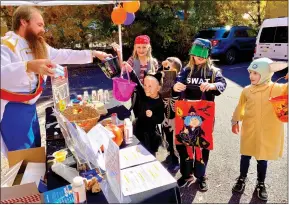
240	184
261	191
203	184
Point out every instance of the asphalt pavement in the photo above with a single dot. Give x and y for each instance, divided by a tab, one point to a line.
223	166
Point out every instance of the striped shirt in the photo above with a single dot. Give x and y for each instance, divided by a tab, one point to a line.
143	68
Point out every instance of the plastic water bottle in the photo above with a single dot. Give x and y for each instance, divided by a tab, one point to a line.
128	131
100	95
106	97
79	192
93	95
114	119
85	96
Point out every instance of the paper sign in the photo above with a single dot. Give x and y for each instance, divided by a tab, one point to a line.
134	155
89	149
60	91
112	165
99	135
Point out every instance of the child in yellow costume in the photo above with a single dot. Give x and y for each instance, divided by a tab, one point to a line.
262	134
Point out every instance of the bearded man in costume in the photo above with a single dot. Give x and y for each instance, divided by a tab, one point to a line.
26	61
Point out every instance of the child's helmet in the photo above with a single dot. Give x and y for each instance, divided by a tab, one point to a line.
201	48
262	66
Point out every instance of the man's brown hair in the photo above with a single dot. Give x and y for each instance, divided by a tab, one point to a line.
35	42
22	12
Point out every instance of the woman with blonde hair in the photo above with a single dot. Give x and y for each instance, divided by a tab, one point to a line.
140	62
198	78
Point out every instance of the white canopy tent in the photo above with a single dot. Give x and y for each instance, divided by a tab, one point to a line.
54	3
61	3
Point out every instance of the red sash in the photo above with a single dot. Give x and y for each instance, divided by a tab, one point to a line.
19	97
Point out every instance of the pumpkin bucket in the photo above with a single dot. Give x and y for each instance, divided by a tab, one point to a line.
122	88
280	105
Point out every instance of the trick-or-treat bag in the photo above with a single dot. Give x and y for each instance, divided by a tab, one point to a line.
194	123
169	81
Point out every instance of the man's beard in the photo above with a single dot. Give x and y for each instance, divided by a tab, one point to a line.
37	44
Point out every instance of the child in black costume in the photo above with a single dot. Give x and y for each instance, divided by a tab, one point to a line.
171	67
150	110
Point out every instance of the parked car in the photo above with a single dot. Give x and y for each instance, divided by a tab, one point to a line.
230	42
272	39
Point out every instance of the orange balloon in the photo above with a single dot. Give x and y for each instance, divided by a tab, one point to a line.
118	15
131	7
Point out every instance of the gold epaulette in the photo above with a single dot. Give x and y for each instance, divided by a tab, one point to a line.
10	43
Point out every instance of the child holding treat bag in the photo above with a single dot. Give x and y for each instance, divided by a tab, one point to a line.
195	120
150	111
262	134
171	67
141	62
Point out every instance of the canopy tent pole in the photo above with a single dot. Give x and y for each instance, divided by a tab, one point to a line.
120	42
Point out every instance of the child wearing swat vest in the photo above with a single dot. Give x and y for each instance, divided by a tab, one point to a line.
197	77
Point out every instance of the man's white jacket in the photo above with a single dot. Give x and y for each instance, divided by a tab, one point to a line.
15	53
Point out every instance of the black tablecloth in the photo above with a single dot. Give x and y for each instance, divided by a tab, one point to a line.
166	194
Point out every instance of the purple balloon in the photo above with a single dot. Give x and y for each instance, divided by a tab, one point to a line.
129	19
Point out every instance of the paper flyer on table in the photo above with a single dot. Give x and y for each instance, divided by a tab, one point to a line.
134	155
144	177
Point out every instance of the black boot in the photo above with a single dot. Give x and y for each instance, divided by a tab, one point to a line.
187	168
240	184
203	184
261	191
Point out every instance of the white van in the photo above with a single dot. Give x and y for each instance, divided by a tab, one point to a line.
272	40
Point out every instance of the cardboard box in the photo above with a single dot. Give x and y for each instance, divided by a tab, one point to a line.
12	192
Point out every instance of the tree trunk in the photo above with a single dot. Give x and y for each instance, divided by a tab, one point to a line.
259	12
186	13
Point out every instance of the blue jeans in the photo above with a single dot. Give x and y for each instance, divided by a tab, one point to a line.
261	167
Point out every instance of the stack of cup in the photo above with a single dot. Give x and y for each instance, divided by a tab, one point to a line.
93	95
100	97
106	97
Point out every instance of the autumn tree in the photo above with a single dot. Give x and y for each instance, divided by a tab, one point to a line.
236	13
72	24
170	35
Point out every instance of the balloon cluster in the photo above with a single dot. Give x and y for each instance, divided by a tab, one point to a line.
125	15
